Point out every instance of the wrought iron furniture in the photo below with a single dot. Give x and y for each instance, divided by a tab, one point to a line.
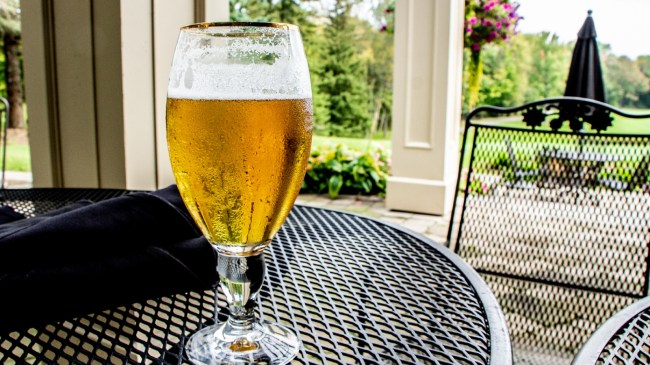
440	309
577	171
639	178
559	264
623	339
520	175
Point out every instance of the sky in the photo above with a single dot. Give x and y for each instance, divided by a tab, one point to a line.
623	24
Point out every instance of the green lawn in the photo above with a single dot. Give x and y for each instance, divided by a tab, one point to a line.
620	125
18	158
360	144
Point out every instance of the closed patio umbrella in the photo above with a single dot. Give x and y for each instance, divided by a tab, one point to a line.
585	77
585	80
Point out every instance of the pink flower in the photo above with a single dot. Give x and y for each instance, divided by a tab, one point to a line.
490	21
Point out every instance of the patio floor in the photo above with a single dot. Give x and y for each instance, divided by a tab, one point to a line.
431	226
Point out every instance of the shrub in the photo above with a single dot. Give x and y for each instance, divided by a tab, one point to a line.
341	170
478	187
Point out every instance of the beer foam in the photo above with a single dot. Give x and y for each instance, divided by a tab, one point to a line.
269	67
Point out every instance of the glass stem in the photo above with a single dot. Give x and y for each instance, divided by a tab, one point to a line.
241	279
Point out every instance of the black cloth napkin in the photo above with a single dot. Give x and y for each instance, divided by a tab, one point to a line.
92	256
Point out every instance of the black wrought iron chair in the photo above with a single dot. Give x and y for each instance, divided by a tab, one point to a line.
521	176
565	254
638	179
623	339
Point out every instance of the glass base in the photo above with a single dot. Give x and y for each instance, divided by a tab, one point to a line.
267	343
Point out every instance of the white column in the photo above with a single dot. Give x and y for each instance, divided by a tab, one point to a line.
426	105
38	78
96	77
168	19
137	75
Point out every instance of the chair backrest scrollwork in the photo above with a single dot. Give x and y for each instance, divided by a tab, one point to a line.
561	249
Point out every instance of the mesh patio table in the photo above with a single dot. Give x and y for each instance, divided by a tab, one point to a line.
357	290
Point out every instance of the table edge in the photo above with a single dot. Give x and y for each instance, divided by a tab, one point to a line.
591	350
500	344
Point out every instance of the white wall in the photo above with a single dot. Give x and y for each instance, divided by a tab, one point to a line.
95	82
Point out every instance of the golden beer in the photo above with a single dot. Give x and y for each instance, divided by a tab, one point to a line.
239	164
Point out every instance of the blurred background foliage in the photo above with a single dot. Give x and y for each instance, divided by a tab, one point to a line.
350	53
351	58
349	46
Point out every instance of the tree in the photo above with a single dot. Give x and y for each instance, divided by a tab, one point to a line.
342	78
486	22
644	65
283	11
624	81
548	62
379	60
10	33
249	10
501	79
290	11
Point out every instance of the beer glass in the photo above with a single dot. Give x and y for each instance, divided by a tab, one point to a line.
239	126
